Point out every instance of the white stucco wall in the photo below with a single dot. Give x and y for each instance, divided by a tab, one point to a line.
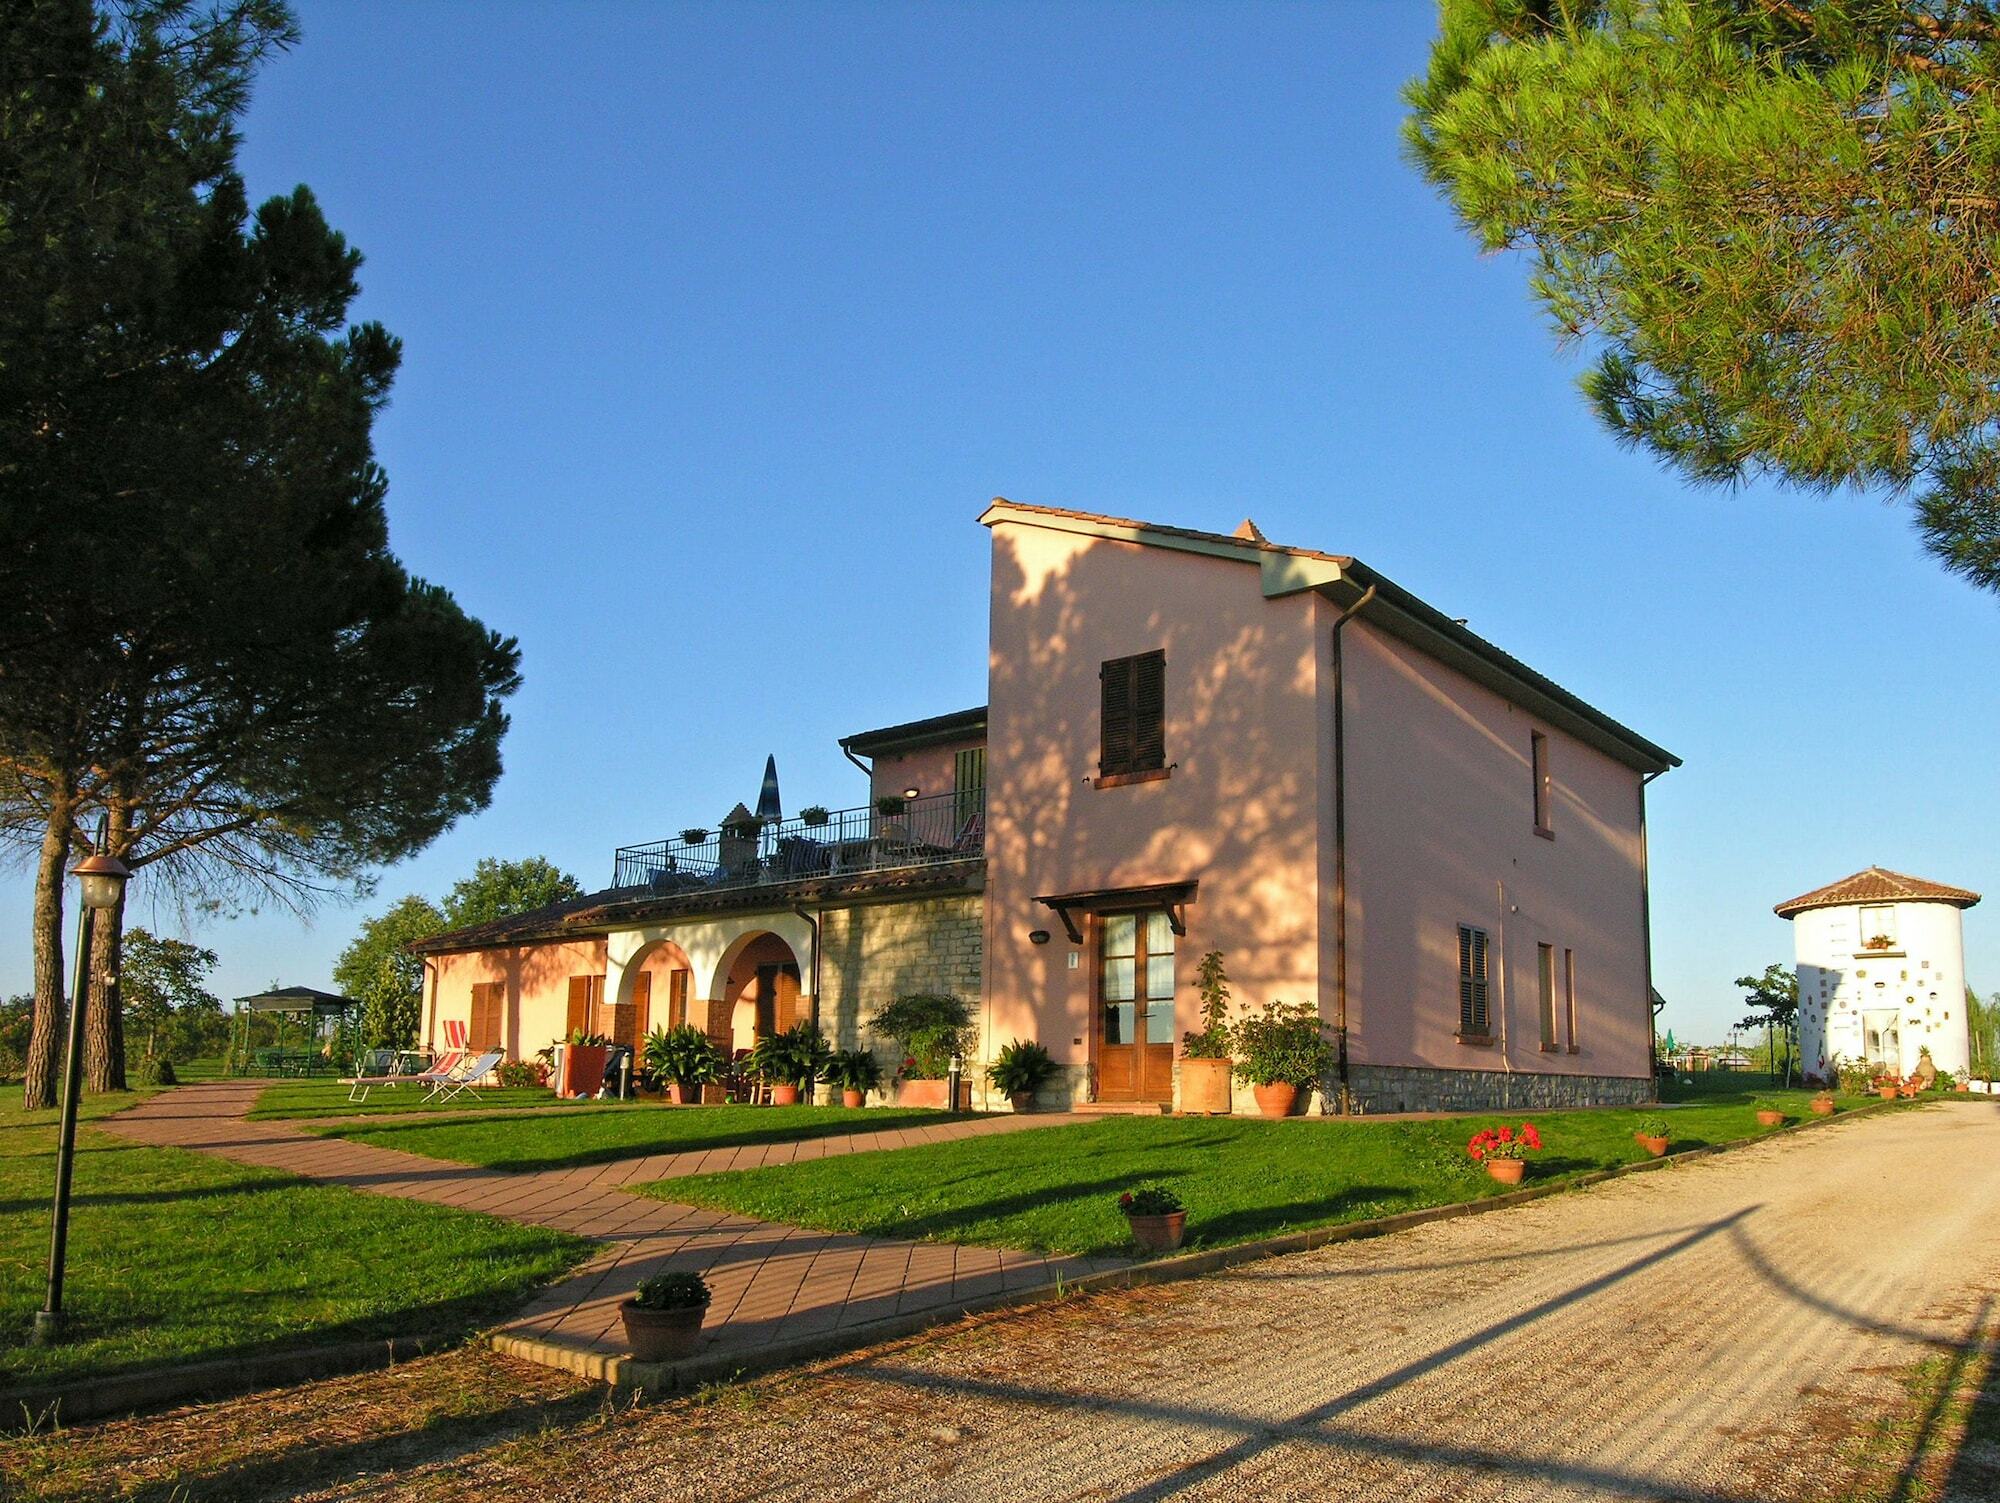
1852	998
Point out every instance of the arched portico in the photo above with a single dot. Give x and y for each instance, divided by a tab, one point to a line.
713	948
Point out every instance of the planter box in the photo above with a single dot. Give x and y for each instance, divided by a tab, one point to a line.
1205	1086
931	1093
583	1069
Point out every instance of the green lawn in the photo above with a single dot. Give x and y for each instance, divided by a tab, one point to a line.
595	1135
327	1098
177	1256
1054	1190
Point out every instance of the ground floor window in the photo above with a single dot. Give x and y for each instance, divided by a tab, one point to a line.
1135	1036
1545	975
1473	1017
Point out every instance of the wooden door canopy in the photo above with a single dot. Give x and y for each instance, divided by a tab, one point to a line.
1172	896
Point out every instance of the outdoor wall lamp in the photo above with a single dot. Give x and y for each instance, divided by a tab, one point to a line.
912	791
1038	936
101	882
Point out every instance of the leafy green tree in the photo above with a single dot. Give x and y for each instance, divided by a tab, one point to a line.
167	1000
499	889
1983	1025
16	1014
1777	222
1774	1001
378	969
204	632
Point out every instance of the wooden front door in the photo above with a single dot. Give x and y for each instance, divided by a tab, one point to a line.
1135	1007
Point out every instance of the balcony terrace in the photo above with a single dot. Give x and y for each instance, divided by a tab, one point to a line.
893	834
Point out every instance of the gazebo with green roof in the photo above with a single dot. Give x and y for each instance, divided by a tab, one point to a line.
329	1031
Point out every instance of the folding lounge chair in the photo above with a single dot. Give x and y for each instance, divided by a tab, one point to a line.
441	1071
461	1083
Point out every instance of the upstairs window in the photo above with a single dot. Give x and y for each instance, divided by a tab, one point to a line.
1473	1019
1878	928
1133	715
1538	756
1545	973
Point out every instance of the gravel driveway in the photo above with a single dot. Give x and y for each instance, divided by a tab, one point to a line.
1721	1329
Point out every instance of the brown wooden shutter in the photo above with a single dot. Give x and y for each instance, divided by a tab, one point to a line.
677	998
484	1030
601	1019
1149	711
642	1007
1115	716
578	1016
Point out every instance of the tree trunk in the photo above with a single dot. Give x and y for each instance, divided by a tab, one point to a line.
45	1030
104	1025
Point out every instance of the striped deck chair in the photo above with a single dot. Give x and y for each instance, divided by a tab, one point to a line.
441	1071
465	1079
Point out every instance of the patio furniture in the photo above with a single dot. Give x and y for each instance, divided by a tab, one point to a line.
462	1081
360	1085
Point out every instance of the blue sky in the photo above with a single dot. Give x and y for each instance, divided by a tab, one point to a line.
722	323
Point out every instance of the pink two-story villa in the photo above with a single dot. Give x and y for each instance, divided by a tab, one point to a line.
1192	742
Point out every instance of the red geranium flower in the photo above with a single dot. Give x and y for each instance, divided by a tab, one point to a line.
1506	1134
1529	1136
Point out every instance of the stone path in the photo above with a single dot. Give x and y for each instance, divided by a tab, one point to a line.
771	1282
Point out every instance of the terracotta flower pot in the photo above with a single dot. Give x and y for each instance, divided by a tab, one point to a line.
851	1098
1886	1092
1657	1147
1769	1118
661	1335
1276	1099
931	1093
1205	1086
1507	1171
1022	1101
1822	1108
784	1095
1158	1233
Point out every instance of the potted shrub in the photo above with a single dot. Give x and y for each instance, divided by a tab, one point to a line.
583	1061
814	815
1156	1216
1205	1062
663	1318
1504	1150
854	1072
694	835
1654	1135
1769	1116
1822	1104
890	805
1018	1071
683	1059
790	1060
929	1030
1281	1052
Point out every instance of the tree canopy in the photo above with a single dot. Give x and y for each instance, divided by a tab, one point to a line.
203	631
164	985
1773	999
1775	222
388	981
500	889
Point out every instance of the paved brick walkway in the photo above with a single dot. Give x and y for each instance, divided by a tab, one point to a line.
771	1282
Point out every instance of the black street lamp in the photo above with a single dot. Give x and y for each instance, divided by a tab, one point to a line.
102	879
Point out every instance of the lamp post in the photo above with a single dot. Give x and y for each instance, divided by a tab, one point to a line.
101	880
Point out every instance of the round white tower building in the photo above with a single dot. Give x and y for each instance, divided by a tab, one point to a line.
1881	966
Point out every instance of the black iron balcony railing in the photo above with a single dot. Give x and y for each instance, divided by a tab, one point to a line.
820	843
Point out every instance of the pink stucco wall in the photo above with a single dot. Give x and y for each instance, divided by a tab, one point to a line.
535	979
1240	811
1440	825
929	769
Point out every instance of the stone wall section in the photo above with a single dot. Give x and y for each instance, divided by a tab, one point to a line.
1396	1088
872	954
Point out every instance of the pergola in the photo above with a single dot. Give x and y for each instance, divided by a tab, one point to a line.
311	1009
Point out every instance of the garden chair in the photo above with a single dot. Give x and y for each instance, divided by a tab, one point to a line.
462	1083
360	1085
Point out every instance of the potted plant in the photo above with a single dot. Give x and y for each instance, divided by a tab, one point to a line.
1281	1052
1018	1071
1205	1062
855	1072
790	1060
1769	1116
1654	1135
583	1059
1878	942
1822	1104
1504	1150
890	805
694	835
814	815
683	1059
663	1317
1156	1216
930	1030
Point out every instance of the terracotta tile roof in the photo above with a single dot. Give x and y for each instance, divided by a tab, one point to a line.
1877	885
1259	542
